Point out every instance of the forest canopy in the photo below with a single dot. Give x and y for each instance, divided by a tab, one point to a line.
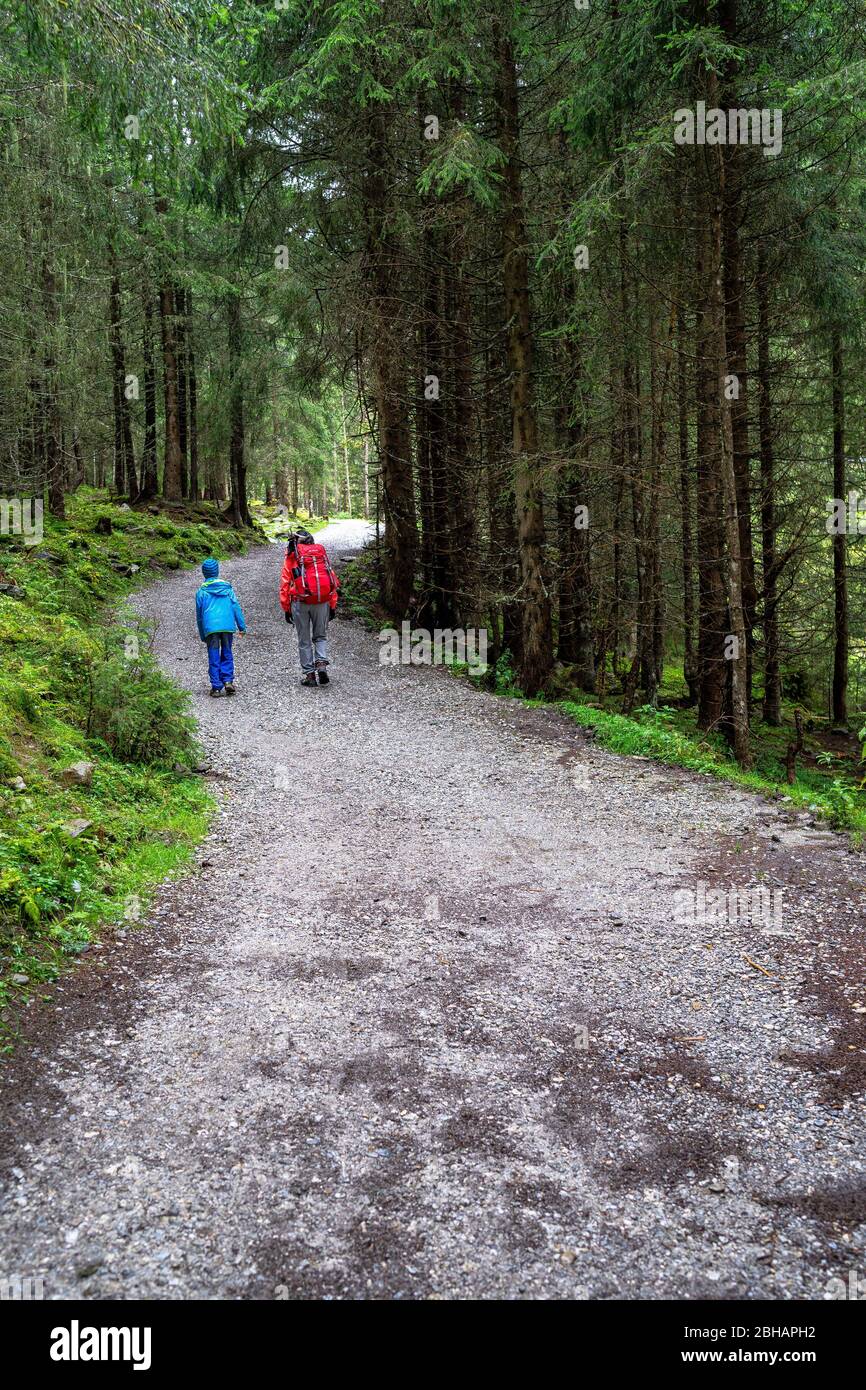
566	295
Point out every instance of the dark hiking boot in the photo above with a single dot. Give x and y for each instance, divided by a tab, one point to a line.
324	678
229	688
214	693
310	679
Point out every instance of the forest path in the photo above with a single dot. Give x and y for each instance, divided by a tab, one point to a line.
421	1021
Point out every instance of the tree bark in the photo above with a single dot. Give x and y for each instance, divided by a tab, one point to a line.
537	654
438	537
346	453
733	159
712	608
182	393
735	651
149	465
384	256
366	479
737	405
192	402
238	509
51	427
690	666
125	475
840	575
575	644
772	708
172	475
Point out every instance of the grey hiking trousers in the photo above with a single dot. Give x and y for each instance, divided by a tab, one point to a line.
311	624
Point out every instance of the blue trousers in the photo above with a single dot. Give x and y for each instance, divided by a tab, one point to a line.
220	662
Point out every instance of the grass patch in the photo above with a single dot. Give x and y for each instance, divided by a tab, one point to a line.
669	736
79	683
828	783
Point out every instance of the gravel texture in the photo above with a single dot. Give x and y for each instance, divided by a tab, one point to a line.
424	1020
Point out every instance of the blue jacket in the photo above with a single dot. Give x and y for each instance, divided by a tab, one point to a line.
217	609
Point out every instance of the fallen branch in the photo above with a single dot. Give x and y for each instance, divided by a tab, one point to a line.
756	966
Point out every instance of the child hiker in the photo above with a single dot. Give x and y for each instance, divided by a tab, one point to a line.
218	613
308	597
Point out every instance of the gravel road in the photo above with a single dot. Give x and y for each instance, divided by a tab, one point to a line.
428	1018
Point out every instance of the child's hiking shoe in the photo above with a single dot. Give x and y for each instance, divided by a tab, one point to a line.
310	679
214	692
324	678
229	688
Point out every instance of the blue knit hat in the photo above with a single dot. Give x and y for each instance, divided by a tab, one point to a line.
211	568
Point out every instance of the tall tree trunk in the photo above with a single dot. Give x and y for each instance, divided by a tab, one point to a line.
575	643
537	654
735	651
172	474
117	433
617	468
149	466
737	402
238	509
172	464
422	469
737	657
366	478
439	539
80	470
51	426
462	459
712	607
733	158
631	434
659	393
125	476
769	564
192	402
690	667
504	569
182	370
840	576
435	383
574	635
384	259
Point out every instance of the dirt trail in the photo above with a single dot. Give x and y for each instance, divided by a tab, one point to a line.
423	1021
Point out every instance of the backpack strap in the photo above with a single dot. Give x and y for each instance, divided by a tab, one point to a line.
293	550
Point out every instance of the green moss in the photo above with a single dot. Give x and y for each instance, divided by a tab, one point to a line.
277	522
78	681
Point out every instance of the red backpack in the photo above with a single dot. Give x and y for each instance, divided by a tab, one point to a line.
314	580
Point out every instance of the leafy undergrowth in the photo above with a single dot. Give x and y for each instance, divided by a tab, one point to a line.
79	683
359	591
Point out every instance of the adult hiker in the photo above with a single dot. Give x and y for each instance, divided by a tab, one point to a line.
308	597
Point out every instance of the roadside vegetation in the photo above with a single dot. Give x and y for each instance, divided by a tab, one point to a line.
829	770
98	792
